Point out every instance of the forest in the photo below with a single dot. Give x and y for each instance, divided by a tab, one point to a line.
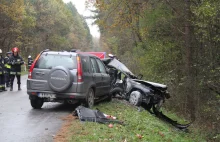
35	25
172	42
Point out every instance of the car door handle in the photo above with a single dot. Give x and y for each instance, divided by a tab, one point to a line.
41	73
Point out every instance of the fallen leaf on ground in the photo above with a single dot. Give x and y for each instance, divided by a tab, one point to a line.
110	125
161	134
139	136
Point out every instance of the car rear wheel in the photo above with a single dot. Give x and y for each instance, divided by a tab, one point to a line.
109	97
90	99
37	103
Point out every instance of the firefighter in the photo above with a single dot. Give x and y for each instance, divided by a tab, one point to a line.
7	69
2	77
30	61
15	61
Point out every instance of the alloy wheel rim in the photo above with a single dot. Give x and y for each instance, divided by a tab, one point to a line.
133	99
91	99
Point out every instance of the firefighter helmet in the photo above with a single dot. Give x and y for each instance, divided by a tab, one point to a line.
15	49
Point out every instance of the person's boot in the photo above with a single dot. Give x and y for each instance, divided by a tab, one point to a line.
19	86
11	88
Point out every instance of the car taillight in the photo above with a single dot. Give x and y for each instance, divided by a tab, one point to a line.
32	67
79	70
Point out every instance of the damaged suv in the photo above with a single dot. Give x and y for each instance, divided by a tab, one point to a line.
61	76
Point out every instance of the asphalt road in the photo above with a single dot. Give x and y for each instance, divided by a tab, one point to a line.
20	123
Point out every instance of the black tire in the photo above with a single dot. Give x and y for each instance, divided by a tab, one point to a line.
90	98
60	79
37	103
109	98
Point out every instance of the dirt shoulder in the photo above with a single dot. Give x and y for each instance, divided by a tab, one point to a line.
64	133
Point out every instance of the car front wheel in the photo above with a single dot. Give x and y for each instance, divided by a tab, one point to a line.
37	103
135	98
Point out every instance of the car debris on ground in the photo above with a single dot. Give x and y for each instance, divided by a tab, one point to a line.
88	115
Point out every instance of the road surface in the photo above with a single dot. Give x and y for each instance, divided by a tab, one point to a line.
20	123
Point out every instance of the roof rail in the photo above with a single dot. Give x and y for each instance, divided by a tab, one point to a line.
46	50
74	50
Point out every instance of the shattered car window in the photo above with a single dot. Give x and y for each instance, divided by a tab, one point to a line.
120	66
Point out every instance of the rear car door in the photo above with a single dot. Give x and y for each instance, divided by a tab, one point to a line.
105	77
97	76
87	75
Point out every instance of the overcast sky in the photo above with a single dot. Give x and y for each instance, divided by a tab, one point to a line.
80	6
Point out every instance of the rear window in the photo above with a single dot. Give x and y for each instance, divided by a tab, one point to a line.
47	61
85	64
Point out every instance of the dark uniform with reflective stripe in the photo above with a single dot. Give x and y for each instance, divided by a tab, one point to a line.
2	77
7	71
15	62
30	61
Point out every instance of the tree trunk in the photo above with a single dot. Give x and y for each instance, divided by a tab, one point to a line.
189	62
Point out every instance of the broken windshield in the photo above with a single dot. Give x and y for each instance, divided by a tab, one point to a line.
120	66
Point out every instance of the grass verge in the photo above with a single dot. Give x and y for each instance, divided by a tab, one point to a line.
137	124
24	72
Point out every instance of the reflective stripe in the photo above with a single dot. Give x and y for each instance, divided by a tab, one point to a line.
7	66
13	73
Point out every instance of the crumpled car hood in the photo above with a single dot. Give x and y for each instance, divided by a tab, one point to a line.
152	83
